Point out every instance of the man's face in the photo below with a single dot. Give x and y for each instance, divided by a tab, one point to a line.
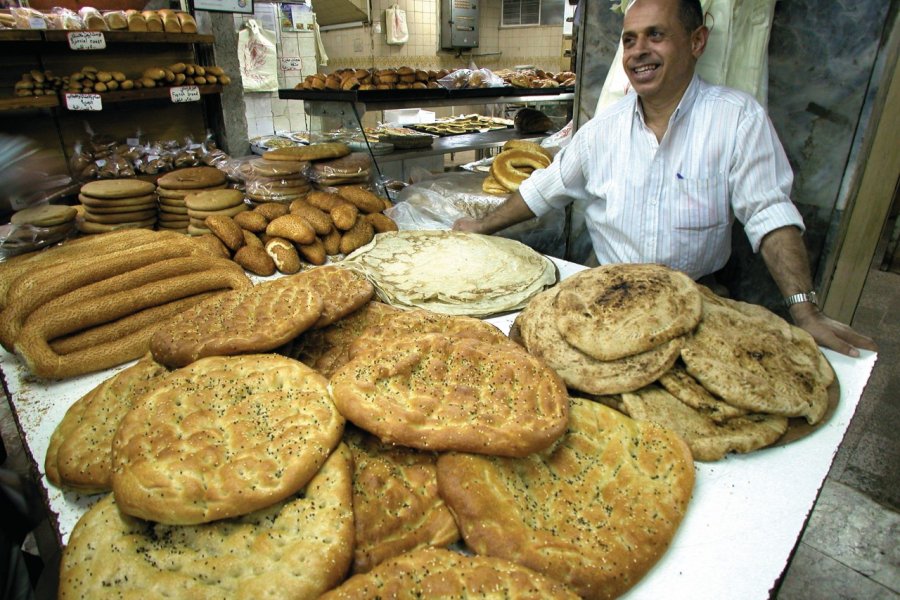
659	55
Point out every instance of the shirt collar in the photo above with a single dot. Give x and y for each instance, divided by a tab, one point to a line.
684	106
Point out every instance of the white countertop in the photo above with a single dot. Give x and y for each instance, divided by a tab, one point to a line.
742	524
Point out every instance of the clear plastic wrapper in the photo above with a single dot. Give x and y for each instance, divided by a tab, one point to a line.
19	239
65	18
356	167
471	78
29	18
437	203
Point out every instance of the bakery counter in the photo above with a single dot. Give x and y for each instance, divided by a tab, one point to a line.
743	522
392	99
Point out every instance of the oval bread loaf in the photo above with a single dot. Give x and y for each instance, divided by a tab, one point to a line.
293	227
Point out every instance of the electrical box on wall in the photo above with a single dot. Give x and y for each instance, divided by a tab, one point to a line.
459	24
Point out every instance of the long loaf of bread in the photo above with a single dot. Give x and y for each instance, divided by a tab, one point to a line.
43	325
34	289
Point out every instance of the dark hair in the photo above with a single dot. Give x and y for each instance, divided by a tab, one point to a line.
690	14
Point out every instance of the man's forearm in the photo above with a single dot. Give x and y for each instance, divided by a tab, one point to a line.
512	211
785	256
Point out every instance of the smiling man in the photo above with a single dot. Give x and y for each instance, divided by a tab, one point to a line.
667	169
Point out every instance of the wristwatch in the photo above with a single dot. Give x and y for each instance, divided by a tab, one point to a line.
809	296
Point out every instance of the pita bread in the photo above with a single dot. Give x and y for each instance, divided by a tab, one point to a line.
596	510
536	326
437	573
396	505
708	440
223	437
296	548
451	272
436	392
758	363
678	382
614	311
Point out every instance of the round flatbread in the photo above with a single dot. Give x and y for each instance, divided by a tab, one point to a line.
536	325
311	152
117	188
214	200
92	202
678	382
181	194
91	227
395	501
228	212
436	392
277	168
614	311
173	210
439	573
594	511
192	178
115	210
223	437
452	272
258	319
296	548
708	440
45	215
125	217
757	361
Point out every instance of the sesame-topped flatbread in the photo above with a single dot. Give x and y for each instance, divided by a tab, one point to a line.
258	319
756	361
437	392
342	291
395	501
327	349
678	382
223	437
311	152
438	573
421	321
79	452
618	310
596	510
298	547
708	440
536	326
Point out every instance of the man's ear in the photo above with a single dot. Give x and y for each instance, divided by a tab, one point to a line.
698	41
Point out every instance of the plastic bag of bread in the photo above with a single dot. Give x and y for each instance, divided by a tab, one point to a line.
484	78
65	18
356	167
456	80
28	18
80	159
93	20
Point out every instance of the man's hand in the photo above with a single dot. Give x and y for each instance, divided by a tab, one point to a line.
468	225
828	332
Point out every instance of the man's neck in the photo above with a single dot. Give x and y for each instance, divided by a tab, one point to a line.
658	112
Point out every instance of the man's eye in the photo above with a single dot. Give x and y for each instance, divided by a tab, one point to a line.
656	35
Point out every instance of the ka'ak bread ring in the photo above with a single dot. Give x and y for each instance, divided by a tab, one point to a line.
491	186
94	246
527	146
35	351
35	289
509	167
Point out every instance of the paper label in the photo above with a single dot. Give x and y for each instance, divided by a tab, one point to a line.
87	40
185	93
291	63
36	22
84	102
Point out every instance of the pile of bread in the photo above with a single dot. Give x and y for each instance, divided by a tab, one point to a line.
725	375
346	460
403	78
537	78
517	160
90	80
89	18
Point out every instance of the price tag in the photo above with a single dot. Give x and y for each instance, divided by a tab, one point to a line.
36	23
185	93
83	102
291	63
86	40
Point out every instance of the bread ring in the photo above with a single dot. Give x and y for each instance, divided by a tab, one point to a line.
491	186
509	167
527	146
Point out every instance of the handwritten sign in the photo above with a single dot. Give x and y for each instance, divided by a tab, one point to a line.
185	93
86	40
84	102
291	63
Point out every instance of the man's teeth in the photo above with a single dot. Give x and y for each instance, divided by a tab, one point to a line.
644	69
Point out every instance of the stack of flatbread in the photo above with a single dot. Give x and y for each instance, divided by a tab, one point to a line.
234	476
451	272
726	375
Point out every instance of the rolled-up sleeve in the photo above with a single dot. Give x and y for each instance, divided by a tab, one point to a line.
561	182
761	180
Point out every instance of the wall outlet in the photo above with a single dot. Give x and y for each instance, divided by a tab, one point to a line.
376	27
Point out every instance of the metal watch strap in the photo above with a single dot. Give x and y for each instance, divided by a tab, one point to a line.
802	297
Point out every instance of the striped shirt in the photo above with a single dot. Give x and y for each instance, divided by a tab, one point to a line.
673	202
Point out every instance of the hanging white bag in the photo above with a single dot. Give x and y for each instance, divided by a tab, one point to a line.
258	58
396	30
